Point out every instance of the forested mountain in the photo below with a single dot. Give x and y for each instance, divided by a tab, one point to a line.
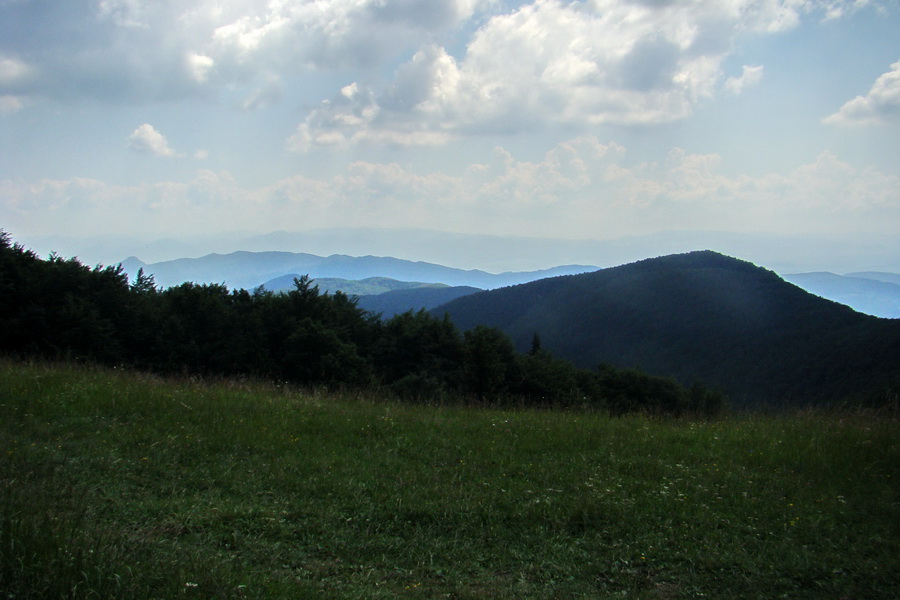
381	295
276	271
394	302
63	310
699	315
352	287
250	269
877	297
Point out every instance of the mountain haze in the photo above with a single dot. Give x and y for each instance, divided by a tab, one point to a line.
699	315
250	269
877	276
878	297
785	253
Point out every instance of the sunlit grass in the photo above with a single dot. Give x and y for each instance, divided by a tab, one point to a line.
120	485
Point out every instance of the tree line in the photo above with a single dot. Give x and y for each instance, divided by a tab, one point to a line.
59	308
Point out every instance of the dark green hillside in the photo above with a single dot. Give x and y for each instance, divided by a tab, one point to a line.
61	309
394	302
700	315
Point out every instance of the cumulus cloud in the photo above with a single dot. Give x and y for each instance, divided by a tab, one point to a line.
749	77
13	70
10	104
354	115
125	13
199	66
594	61
15	75
147	140
331	33
880	105
835	9
551	62
140	50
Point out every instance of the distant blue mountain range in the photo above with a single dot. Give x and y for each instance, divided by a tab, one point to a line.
869	292
249	270
406	282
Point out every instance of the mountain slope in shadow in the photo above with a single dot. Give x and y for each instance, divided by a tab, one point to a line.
398	301
700	315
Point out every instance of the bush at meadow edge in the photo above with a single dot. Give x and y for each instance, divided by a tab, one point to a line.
121	485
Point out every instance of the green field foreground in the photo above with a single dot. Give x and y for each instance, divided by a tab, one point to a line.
121	485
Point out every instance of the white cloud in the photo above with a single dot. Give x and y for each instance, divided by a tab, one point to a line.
145	51
749	77
200	66
880	105
147	140
15	76
13	71
270	92
556	63
282	36
835	9
595	61
10	104
125	13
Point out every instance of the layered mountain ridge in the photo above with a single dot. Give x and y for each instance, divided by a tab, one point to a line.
251	269
699	315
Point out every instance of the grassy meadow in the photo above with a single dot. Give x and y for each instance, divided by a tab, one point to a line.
122	485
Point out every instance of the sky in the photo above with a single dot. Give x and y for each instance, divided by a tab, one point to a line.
591	119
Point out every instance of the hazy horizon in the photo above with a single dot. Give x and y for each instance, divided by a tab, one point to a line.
591	121
494	254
